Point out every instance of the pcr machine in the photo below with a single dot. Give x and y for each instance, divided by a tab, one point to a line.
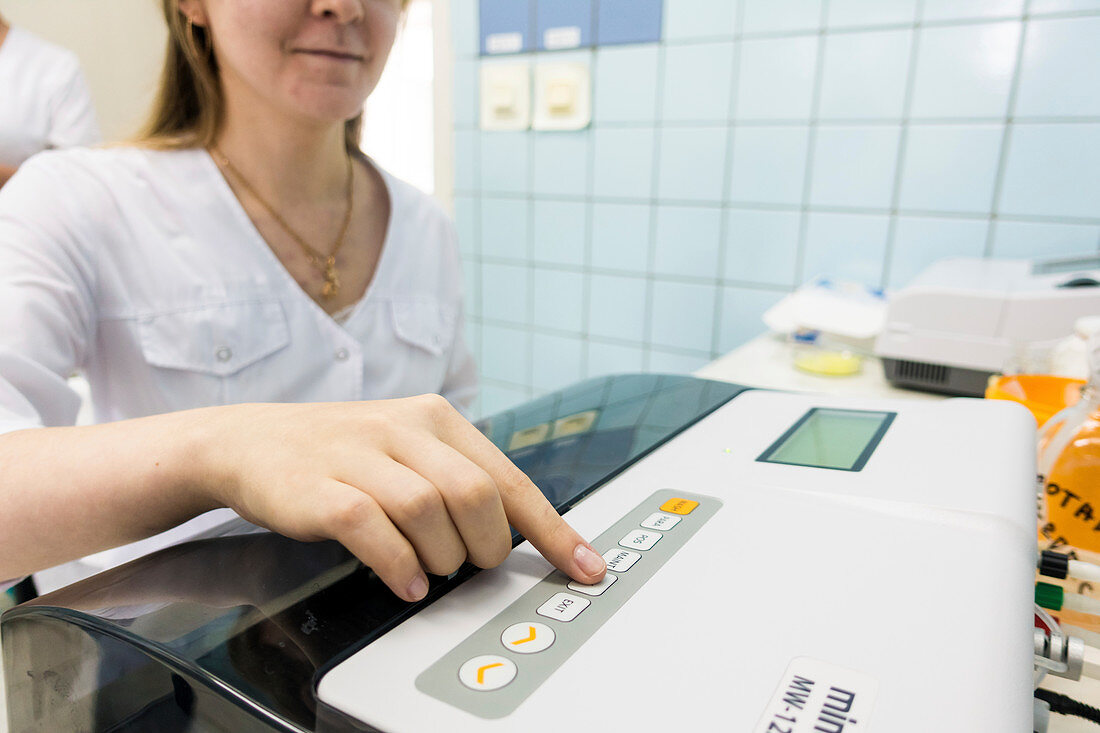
778	563
964	319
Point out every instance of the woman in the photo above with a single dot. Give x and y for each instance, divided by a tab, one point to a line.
46	100
245	254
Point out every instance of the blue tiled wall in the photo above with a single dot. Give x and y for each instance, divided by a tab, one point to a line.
757	144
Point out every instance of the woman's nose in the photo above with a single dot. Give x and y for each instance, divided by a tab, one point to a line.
344	11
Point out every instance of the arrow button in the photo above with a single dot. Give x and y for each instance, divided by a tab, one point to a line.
487	672
528	637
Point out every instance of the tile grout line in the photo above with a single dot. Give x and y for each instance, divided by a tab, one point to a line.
529	139
822	28
903	141
724	235
590	222
798	208
1006	137
1068	119
811	144
654	189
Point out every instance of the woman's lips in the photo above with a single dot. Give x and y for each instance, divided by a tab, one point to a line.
326	53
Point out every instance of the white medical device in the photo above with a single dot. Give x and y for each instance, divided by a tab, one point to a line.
778	563
789	563
963	319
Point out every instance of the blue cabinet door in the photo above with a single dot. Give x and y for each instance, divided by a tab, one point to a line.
564	24
628	21
506	26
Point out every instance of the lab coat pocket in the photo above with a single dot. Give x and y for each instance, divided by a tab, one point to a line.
427	325
425	333
218	339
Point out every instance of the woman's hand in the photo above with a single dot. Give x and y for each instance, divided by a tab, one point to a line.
408	485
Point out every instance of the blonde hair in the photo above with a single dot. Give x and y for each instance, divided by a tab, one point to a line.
189	107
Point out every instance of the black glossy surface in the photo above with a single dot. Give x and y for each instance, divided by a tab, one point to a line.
237	628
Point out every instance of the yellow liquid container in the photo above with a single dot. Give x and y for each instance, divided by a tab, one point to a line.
1069	468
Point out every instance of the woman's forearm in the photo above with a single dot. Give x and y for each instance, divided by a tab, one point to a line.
68	492
408	485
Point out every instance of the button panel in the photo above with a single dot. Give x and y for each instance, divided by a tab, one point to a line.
563	607
487	672
619	561
528	637
661	521
640	539
596	589
513	654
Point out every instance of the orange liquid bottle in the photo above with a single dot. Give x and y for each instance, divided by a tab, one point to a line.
1069	466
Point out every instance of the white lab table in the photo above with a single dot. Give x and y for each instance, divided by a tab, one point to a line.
767	362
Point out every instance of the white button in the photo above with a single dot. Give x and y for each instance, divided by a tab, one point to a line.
341	354
641	539
224	353
563	607
596	589
528	637
487	672
660	520
620	560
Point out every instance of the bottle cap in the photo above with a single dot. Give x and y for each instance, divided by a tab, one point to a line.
1086	326
1049	596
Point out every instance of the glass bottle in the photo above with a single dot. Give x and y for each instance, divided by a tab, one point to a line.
1069	467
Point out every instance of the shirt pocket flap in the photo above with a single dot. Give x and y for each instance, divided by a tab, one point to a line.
427	325
216	339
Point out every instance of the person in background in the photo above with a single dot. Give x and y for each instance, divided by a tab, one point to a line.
269	322
45	99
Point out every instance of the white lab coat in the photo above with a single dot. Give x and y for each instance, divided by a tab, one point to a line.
141	270
44	99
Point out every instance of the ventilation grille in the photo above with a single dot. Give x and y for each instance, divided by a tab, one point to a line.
916	371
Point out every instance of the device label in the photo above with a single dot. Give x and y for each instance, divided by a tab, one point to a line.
504	43
564	37
819	697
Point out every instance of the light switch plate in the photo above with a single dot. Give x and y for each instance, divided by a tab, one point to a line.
563	96
505	96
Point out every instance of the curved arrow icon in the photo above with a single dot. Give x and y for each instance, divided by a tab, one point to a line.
531	631
481	671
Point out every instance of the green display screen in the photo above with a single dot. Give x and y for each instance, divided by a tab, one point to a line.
830	438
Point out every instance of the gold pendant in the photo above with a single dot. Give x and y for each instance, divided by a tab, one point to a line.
332	280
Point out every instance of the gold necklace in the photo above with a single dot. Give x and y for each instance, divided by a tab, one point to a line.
325	264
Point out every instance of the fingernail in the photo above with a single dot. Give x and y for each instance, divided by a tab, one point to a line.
588	561
417	589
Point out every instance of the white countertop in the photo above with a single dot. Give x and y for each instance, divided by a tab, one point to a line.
767	362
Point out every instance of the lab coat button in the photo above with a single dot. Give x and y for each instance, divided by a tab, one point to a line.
224	354
341	354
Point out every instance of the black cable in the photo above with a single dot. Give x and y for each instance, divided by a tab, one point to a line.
1068	706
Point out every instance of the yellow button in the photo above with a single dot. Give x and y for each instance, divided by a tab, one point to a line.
679	506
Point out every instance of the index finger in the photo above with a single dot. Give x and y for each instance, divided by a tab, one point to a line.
527	509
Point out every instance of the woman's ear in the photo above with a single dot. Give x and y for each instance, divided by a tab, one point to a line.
194	10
